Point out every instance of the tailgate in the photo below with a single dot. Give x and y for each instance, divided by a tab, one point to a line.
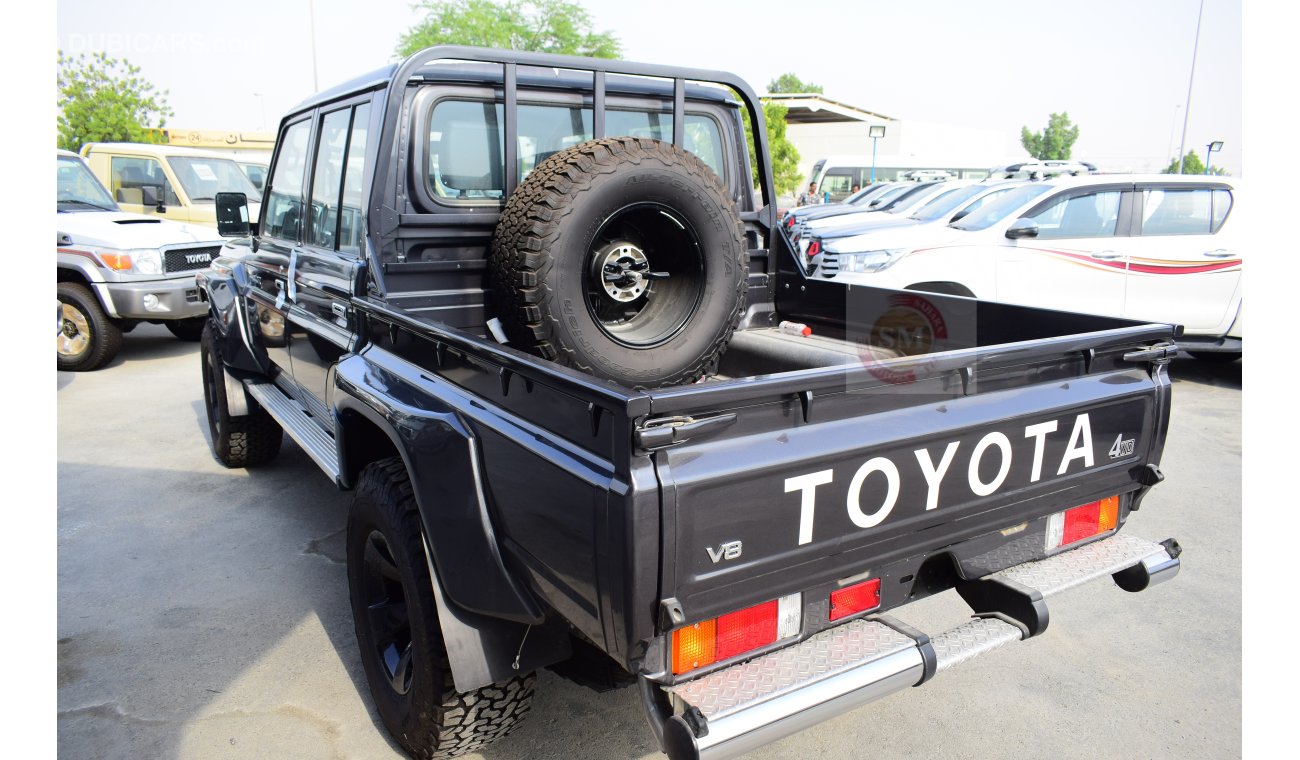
785	498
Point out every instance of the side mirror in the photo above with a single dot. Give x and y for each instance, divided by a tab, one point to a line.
149	197
232	215
1022	228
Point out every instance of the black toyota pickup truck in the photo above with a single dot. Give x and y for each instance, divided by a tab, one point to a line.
532	312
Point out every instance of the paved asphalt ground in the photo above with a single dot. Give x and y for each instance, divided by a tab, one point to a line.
203	612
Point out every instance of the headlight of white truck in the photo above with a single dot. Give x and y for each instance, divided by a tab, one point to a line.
866	261
132	260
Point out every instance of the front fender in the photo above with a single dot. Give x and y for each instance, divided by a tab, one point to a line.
225	290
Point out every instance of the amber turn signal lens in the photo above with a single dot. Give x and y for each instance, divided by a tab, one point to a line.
694	646
118	261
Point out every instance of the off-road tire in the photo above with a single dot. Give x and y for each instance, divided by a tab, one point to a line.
561	222
187	329
430	719
93	329
245	441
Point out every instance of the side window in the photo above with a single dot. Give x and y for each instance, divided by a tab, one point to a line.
285	199
1180	211
350	207
330	144
838	183
131	175
466	151
1221	204
1079	216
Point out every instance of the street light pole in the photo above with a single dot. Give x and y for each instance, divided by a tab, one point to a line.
875	133
1182	145
311	17
1213	147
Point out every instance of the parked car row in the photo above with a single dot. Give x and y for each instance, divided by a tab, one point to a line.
1143	247
135	222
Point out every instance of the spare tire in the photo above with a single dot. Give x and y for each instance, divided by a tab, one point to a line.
624	258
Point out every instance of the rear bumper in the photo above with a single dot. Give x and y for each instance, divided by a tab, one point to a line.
739	709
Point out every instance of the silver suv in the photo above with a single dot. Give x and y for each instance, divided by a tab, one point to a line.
117	270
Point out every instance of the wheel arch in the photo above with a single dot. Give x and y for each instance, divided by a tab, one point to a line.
484	613
70	274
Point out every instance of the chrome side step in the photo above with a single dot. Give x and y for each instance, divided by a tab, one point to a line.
741	708
318	444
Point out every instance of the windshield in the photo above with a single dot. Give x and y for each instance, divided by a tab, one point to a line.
995	212
946	203
78	188
913	195
203	178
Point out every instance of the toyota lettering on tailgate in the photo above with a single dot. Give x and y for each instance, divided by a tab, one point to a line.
953	469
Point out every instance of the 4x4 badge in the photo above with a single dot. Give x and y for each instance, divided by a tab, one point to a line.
1121	447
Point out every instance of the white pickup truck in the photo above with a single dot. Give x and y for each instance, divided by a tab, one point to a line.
116	270
1143	247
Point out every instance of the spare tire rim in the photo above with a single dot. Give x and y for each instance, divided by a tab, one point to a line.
386	614
644	275
74	339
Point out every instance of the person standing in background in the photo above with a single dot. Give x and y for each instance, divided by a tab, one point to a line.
809	198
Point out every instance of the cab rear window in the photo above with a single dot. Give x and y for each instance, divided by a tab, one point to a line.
467	143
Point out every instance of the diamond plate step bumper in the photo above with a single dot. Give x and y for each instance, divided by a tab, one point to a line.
741	708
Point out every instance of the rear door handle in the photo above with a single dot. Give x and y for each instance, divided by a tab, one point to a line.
1219	254
1107	255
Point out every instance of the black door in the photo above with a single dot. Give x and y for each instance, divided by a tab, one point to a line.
320	316
280	236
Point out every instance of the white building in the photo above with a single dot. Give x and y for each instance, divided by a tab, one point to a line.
821	127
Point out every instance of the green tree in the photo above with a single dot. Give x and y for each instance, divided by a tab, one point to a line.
788	82
1054	142
542	26
102	99
785	157
1192	164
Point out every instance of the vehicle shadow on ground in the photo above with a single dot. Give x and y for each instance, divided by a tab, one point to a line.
151	342
1203	372
227	576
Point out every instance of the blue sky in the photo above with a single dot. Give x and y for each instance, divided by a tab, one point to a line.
1119	67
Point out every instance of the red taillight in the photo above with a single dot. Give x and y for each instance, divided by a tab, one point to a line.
856	598
789	223
814	248
1083	521
745	630
735	633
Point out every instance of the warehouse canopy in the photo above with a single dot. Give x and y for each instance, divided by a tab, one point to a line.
813	108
